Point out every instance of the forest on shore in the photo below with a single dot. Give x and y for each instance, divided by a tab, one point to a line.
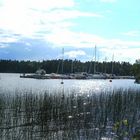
69	66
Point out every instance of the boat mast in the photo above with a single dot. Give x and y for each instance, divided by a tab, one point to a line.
72	66
112	64
62	65
95	61
62	60
89	70
58	66
105	65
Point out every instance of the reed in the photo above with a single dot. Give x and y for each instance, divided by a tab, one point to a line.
114	114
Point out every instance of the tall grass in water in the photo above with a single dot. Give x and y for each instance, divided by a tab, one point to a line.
29	116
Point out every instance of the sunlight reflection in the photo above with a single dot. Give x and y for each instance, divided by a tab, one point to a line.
12	82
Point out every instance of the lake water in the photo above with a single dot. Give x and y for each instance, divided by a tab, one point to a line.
13	82
53	116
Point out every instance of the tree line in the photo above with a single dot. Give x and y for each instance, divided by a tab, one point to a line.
69	66
136	70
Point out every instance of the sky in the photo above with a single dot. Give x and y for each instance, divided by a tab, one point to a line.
39	29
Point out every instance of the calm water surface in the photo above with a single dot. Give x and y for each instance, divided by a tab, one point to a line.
12	82
58	116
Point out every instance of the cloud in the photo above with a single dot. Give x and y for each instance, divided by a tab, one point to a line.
53	22
60	15
121	54
29	17
7	37
108	1
131	33
49	5
75	54
28	49
2	46
41	20
122	49
65	37
8	40
39	5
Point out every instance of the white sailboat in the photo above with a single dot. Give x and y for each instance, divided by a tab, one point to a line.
95	75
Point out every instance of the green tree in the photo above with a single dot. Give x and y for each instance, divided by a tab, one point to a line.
136	70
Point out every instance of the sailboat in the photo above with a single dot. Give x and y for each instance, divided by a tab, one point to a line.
112	76
62	82
95	75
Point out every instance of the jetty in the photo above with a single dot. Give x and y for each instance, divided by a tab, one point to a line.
80	75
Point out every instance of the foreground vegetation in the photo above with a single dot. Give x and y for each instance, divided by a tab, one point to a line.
136	68
29	116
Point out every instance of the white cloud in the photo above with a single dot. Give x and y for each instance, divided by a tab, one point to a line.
121	54
48	5
74	54
28	17
59	15
51	20
7	37
37	5
64	37
108	1
122	49
8	40
28	49
131	33
3	46
27	44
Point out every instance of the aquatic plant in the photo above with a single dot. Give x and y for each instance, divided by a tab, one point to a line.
114	115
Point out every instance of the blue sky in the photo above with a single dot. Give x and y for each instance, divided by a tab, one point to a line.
39	29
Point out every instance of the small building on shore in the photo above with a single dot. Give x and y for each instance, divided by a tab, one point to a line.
40	72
